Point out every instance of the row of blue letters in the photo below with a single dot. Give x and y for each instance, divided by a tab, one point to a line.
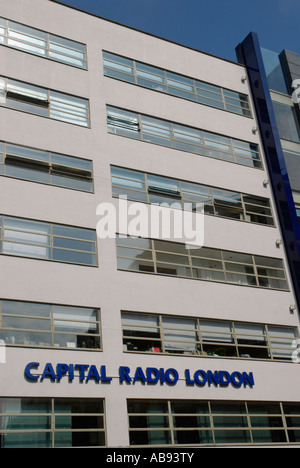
151	375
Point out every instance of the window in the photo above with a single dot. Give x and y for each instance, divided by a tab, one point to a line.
46	325
41	43
175	259
157	79
164	334
47	103
193	422
287	121
46	167
56	242
180	137
52	423
274	71
151	188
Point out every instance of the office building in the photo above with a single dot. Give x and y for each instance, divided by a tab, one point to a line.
136	341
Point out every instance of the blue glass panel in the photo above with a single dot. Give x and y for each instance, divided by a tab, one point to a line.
274	71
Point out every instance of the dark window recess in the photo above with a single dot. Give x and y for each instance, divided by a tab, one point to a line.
19	162
71	172
27	98
174	193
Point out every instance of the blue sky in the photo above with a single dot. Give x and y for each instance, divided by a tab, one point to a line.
213	26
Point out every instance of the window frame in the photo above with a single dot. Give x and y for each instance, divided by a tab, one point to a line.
210	419
214	264
54	98
180	196
52	414
46	166
49	245
202	346
163	86
208	148
12	332
4	38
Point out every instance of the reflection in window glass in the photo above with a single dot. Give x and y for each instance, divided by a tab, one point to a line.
274	71
46	167
286	121
41	43
219	202
182	86
46	325
175	259
47	241
189	139
196	336
52	423
171	422
40	101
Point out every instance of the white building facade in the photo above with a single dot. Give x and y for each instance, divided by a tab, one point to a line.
136	341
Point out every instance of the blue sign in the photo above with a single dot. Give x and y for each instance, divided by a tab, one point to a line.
149	376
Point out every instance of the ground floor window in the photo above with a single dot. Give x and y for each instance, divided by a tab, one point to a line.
51	423
198	422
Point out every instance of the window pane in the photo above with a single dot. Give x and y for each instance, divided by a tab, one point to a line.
27	230
118	67
73	232
67	51
73	244
216	331
150	76
69	108
25	308
28	39
36	42
69	161
157	131
27	323
123	122
35	165
287	122
74	257
179	334
24	170
140	322
18	234
274	71
29	98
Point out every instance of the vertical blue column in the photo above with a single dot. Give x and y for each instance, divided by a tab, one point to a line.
249	54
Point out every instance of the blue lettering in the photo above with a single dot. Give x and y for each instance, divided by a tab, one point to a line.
93	374
48	372
188	377
61	369
71	372
28	370
139	375
103	375
82	368
248	379
175	377
124	374
150	378
237	379
224	374
151	375
213	377
200	381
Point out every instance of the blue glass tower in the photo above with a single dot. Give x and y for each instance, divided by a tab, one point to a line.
271	78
